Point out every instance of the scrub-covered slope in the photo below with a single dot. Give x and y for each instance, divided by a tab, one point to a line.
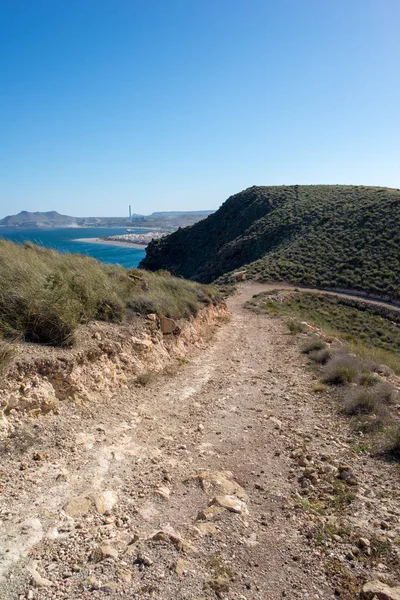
322	235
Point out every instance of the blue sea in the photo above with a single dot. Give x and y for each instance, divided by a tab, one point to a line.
64	240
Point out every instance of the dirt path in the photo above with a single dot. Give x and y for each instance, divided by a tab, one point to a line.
349	295
110	502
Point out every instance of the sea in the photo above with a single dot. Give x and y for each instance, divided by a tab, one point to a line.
65	240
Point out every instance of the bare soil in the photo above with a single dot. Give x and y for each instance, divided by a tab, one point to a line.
108	500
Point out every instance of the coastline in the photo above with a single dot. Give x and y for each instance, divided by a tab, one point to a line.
111	243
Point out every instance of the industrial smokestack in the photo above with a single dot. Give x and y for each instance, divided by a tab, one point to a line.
130	212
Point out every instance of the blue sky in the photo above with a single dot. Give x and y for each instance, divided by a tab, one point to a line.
177	104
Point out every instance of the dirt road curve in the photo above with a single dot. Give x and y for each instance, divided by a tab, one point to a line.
340	294
81	488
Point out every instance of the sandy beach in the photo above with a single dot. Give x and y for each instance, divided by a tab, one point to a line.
111	243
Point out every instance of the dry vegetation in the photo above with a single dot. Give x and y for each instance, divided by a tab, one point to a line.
45	295
357	379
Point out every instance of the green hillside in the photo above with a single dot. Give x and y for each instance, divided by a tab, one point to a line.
319	235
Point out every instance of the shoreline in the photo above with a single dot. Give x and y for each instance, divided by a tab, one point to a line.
111	243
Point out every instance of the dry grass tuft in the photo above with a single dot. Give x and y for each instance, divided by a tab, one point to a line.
342	369
45	295
390	441
374	400
314	344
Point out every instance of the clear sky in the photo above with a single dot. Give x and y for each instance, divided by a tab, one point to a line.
177	104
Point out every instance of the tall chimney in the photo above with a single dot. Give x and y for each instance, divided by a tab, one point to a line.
130	212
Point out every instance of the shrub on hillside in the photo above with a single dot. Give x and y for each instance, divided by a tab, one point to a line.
342	369
295	327
45	295
313	344
320	357
373	400
390	441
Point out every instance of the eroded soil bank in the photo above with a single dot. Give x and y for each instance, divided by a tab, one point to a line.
190	487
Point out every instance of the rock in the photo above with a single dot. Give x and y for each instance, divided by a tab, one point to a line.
223	481
103	551
169	535
182	566
168	325
364	542
37	579
239	275
163	492
381	591
231	503
105	501
62	475
152	317
277	423
143	559
211	513
78	506
207	528
109	587
347	476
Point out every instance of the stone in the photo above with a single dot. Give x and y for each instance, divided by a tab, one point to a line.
211	513
37	579
231	503
207	528
62	476
364	542
347	476
277	423
169	535
103	551
105	501
109	587
163	492
381	591
143	559
223	481
182	566
168	325
78	506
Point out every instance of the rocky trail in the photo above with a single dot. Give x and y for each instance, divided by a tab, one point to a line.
222	480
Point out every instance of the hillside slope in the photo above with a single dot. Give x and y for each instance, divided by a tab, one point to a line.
322	235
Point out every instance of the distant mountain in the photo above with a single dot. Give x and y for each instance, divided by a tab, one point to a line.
36	220
170	219
320	235
163	220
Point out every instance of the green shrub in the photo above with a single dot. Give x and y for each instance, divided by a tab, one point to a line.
368	379
320	356
45	295
315	343
341	370
390	441
373	400
295	327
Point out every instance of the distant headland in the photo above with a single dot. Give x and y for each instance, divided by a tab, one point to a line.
167	221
